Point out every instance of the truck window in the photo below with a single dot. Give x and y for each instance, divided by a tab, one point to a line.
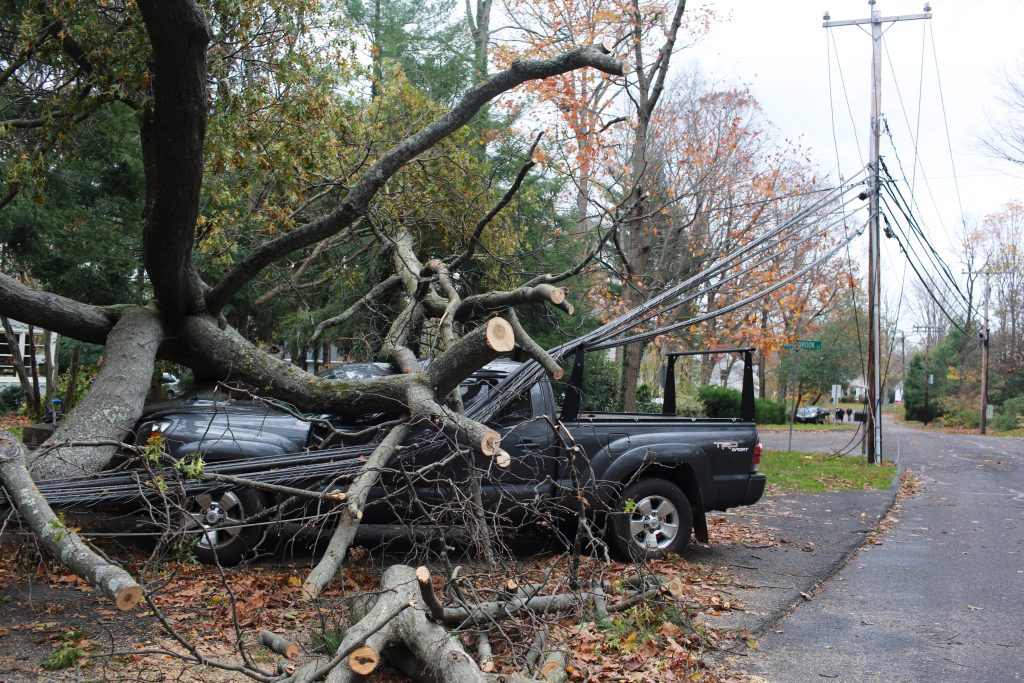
517	411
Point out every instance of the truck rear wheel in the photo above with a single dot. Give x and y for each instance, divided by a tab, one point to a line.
652	519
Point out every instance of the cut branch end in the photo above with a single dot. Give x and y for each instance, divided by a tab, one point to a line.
363	660
500	336
129	598
490	444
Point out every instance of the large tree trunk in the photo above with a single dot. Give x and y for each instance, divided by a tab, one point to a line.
109	410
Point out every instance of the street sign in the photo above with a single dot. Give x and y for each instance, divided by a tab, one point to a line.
805	345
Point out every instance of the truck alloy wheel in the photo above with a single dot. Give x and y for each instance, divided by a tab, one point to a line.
214	523
654	518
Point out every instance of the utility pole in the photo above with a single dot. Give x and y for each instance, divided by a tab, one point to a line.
927	329
796	395
983	421
874	424
903	364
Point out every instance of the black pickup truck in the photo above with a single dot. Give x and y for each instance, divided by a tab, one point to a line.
651	477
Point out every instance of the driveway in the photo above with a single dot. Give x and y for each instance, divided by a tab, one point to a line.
942	598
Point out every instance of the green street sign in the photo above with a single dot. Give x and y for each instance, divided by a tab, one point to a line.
804	345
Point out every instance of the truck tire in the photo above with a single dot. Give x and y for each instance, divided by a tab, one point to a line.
652	519
212	524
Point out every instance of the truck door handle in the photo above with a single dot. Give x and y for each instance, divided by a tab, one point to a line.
529	443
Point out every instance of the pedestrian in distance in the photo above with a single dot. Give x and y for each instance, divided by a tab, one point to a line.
849	414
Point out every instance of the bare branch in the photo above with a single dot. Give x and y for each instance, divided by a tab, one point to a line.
482	304
513	189
532	348
377	291
325	570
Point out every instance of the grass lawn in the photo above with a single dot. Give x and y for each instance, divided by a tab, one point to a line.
816	473
804	427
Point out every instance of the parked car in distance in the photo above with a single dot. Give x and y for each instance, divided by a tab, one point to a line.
811	415
170	384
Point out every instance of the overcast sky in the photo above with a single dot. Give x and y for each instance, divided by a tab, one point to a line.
781	50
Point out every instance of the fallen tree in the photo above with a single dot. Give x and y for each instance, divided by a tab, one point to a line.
183	322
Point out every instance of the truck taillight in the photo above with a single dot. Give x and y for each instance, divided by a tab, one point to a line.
757	457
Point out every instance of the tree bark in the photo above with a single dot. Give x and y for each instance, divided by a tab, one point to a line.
173	132
418	646
35	399
51	366
56	313
279	644
70	393
112	405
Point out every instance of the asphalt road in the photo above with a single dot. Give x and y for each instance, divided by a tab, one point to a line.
942	598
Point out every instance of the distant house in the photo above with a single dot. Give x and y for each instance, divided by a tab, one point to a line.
858	388
8	377
728	372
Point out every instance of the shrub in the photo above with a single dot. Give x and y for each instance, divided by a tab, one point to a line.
689	405
769	412
11	399
1007	417
600	383
645	400
971	419
720	401
962	414
914	410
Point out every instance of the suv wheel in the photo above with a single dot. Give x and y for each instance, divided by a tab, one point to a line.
652	519
214	524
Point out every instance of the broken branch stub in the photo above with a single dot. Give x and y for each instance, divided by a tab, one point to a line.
279	644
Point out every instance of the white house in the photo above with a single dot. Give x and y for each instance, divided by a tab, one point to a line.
8	377
728	372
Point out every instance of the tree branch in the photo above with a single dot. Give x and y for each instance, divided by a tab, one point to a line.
482	304
363	190
378	290
513	189
56	313
55	536
532	348
352	513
